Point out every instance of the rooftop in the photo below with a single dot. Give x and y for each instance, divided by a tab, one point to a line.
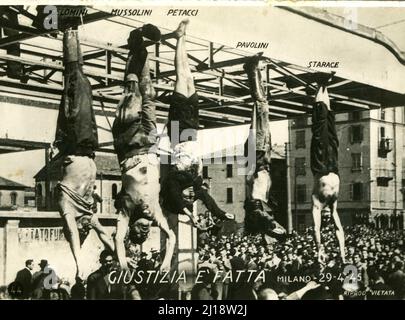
11	184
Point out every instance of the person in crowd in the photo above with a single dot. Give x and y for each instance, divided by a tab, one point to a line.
44	281
24	279
96	200
98	285
378	288
205	289
396	280
376	254
78	291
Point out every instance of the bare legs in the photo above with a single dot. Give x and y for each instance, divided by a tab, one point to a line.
72	235
184	78
339	231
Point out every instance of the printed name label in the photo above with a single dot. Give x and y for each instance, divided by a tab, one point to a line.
131	12
323	64
252	45
182	12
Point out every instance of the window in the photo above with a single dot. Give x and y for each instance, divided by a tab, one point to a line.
382	133
383	181
382	196
356	134
39	190
229	173
402	190
356	191
114	190
300	139
382	114
229	195
356	162
403	115
300	122
13	198
301	222
384	145
205	172
300	166
301	193
0	199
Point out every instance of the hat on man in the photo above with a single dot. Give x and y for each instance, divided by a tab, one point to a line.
43	263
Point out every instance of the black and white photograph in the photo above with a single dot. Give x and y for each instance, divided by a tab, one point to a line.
215	151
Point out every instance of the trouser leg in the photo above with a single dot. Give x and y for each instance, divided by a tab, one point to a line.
258	213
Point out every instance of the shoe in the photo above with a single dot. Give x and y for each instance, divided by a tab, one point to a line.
151	32
323	78
135	40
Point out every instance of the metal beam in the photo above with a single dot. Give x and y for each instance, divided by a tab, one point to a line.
30	32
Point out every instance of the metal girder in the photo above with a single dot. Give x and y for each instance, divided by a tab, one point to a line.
225	90
31	32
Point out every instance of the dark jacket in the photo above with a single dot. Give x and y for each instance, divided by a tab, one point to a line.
379	291
24	278
172	193
324	143
98	287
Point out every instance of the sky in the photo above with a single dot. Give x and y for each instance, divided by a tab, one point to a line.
209	21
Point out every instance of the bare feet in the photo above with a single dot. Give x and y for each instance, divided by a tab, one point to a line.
181	29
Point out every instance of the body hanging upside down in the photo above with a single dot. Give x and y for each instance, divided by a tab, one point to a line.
134	132
186	169
76	138
324	166
259	209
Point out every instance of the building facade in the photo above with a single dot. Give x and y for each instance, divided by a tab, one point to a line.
227	182
12	194
371	168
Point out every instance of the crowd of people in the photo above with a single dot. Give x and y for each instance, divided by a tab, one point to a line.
374	266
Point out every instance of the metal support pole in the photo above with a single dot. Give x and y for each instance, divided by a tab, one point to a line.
157	63
295	196
47	181
108	57
288	165
210	55
101	192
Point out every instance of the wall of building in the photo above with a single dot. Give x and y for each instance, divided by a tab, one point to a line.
219	183
5	198
375	199
385	199
39	236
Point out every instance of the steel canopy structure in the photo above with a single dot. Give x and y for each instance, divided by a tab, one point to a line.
218	70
